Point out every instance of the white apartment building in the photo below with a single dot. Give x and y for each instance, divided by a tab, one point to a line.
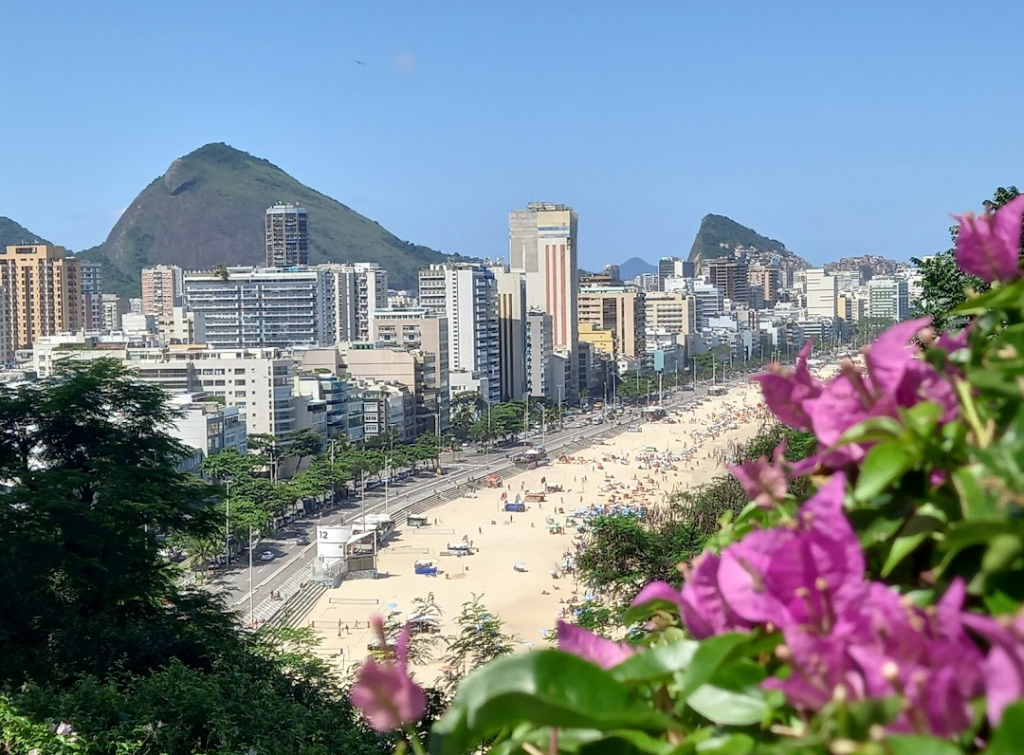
888	299
207	427
710	303
92	295
822	292
357	291
246	307
467	295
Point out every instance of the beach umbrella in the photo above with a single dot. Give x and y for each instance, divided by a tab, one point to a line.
390	606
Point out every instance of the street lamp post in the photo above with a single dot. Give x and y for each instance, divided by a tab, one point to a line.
227	523
251	625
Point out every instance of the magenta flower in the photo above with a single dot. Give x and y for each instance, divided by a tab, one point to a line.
765	482
988	246
704	609
384	691
787	392
895	379
1003	667
590	647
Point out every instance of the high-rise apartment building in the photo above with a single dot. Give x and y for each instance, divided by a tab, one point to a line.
621	310
114	308
6	355
666	269
542	246
92	295
539	352
161	289
44	292
710	303
512	335
423	330
467	295
287	236
262	307
888	299
359	290
766	279
672	312
822	292
730	276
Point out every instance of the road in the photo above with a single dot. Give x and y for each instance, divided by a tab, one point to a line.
290	557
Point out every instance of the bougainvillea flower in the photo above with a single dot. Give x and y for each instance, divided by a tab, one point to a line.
590	647
765	482
786	392
705	611
384	691
1003	667
988	245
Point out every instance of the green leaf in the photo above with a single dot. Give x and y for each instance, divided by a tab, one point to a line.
1002	551
922	418
656	662
711	655
870	430
545	688
734	699
1008	737
918	528
881	467
1000	297
731	744
626	742
647	609
975	501
918	745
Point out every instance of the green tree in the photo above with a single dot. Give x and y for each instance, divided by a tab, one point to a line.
944	285
481	638
302	444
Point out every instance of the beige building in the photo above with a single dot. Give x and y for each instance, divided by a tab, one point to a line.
822	292
161	289
766	279
397	367
672	312
44	292
426	331
619	309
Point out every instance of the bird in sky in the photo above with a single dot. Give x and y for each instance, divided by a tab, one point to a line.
358	62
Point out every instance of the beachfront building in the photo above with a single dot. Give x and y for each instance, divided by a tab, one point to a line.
620	309
539	352
543	247
388	408
252	307
888	299
671	312
414	369
423	330
822	292
207	427
356	291
512	327
467	295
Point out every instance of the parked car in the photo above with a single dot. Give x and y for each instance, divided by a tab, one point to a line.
266	556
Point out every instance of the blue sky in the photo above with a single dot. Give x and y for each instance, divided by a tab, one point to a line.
840	128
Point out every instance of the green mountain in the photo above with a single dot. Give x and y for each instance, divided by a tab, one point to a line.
718	236
208	210
13	233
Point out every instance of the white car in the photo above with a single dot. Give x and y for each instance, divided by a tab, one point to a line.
266	556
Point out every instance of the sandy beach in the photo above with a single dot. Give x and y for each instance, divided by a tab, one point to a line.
530	601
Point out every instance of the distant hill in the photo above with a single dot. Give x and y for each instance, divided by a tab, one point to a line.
635	266
207	209
719	236
13	233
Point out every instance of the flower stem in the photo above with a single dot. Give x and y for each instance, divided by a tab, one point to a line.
963	392
414	740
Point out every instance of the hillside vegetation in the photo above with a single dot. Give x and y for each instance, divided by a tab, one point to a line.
718	230
208	209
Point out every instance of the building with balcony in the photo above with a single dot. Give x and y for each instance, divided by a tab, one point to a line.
245	307
43	286
467	295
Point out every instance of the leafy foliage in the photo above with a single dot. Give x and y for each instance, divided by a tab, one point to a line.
224	193
98	633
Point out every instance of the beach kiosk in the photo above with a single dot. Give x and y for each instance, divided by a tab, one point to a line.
417	520
516	506
427	567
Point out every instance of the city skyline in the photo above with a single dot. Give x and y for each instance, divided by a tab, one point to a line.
814	128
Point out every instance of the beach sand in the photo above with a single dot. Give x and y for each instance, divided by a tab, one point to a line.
528	601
